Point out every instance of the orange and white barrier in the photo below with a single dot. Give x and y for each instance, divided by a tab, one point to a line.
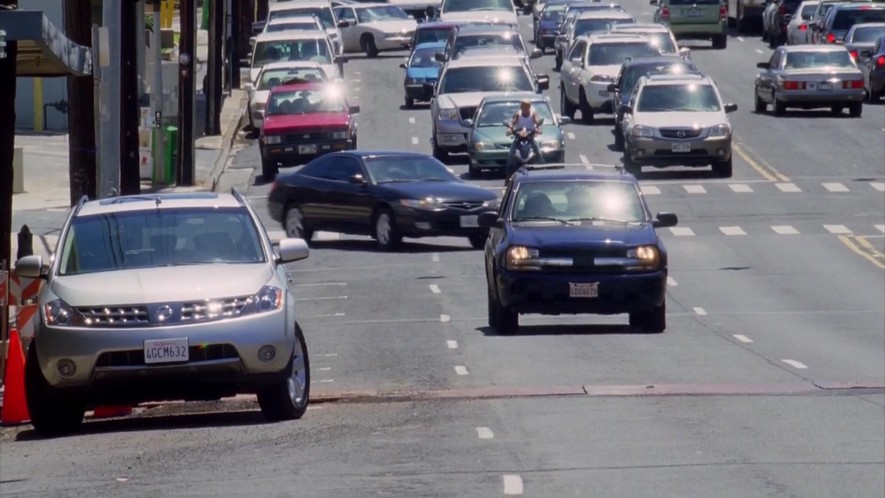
24	320
22	290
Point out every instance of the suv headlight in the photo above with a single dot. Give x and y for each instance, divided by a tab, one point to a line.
448	114
428	204
339	135
273	139
522	258
719	131
647	257
493	204
269	298
58	313
642	131
482	146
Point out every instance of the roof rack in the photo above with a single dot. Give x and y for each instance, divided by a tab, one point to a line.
83	200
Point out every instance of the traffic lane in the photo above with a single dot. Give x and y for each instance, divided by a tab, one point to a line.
728	446
400	449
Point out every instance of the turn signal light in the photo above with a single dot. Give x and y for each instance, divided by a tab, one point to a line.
794	85
723	12
803	27
853	84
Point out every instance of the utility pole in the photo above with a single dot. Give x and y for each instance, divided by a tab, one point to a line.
8	55
157	96
81	107
216	67
110	51
236	18
130	176
187	45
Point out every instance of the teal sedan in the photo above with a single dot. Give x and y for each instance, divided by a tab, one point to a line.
488	146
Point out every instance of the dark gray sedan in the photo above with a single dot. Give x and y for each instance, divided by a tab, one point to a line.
873	68
860	39
810	77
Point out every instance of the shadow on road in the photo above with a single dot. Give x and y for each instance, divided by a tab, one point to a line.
408	246
558	330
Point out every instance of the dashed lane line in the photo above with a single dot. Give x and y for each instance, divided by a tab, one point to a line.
740	188
672	282
741	39
512	485
484	433
461	370
445	318
324	369
435	289
742	338
880	228
880	186
788	187
452	344
326	381
435	257
732	231
414	140
327	298
322	284
838	229
759	51
699	311
785	230
650	190
682	231
836	187
412	120
695	189
796	364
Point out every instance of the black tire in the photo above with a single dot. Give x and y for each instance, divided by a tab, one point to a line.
478	241
874	95
650	322
474	172
410	102
723	169
52	414
779	107
389	238
836	109
720	42
566	108
760	104
557	62
584	107
855	109
619	138
284	401
368	45
438	152
506	322
493	318
293	223
269	170
631	167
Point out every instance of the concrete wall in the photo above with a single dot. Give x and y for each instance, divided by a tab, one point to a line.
54	89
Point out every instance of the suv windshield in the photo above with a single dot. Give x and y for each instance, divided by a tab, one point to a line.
680	97
611	54
805	60
311	50
159	237
586	200
496	113
276	77
470	5
662	40
324	14
589	26
408	169
633	73
430	35
373	14
554	12
846	18
486	79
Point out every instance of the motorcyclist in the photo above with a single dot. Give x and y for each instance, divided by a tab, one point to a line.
526	118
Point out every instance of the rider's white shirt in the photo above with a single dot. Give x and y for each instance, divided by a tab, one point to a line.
526	122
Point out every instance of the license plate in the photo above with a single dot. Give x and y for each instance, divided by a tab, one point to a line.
471	221
583	290
307	149
166	351
824	86
694	12
681	148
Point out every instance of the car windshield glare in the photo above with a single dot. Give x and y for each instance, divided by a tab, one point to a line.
807	12
291	26
589	26
500	40
432	35
633	73
585	200
486	79
374	14
324	14
808	60
312	50
611	54
425	58
867	34
497	113
159	238
469	5
407	169
682	97
276	77
306	102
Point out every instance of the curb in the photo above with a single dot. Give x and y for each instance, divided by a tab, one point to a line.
233	112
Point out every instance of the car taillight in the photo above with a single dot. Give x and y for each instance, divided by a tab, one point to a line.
665	12
853	54
831	38
880	61
723	12
803	27
794	85
853	84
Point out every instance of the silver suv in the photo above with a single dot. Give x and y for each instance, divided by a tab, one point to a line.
164	297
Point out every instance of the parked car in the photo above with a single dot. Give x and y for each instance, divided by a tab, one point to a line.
273	75
421	68
810	77
695	20
384	194
873	69
304	121
161	297
375	27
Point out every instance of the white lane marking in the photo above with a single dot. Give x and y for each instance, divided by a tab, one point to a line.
732	230
321	284
880	186
585	161
672	282
357	81
461	370
452	344
331	315
445	318
355	97
795	364
742	338
759	51
435	257
435	289
700	311
571	136
484	433
324	369
785	230
412	120
835	187
650	190
414	140
329	355
512	484
880	228
740	39
788	187
327	381
740	188
682	231
838	229
326	236
357	72
695	189
356	89
330	298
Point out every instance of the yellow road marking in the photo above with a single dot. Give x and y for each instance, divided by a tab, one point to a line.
849	242
761	166
870	248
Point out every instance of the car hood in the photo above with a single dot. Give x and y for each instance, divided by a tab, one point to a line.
428	73
491	134
497	16
679	119
466	99
285	122
449	191
404	26
162	285
584	236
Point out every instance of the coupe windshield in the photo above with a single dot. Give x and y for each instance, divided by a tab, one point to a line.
496	113
374	14
503	39
614	54
424	57
829	58
486	79
323	13
312	50
682	97
432	35
582	201
408	169
473	5
554	12
276	77
588	26
633	73
867	34
159	237
306	102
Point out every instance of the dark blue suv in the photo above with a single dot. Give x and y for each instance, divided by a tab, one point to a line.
569	241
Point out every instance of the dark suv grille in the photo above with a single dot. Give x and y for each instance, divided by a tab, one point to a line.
467	112
135	357
583	259
680	132
465	205
115	315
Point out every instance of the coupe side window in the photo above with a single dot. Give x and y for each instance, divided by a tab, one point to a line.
340	169
315	168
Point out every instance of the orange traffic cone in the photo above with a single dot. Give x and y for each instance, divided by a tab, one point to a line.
15	406
111	411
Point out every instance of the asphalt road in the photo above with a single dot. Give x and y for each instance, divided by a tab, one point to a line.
769	379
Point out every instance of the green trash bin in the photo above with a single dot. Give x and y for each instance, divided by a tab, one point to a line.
170	155
204	23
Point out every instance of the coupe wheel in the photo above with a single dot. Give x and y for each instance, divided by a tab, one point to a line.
287	400
294	224
52	414
368	46
720	42
586	110
723	169
269	170
779	107
619	138
478	241
855	109
410	102
566	108
438	152
631	167
386	233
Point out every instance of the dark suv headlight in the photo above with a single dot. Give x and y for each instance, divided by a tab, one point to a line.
646	257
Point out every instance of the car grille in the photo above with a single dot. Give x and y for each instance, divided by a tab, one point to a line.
115	315
199	310
467	112
670	153
583	259
135	357
464	205
680	132
307	137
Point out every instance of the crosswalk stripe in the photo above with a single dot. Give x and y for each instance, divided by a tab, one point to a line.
788	187
695	189
651	190
732	230
835	187
838	229
682	231
785	230
740	188
880	186
880	228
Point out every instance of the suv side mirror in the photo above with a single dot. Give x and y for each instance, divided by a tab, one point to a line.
29	267
293	250
626	109
730	108
664	220
763	65
490	220
612	87
563	119
343	24
403	65
468	123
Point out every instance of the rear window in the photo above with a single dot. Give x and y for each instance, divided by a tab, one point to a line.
846	18
807	60
470	41
610	54
432	35
868	34
695	2
633	73
807	12
585	26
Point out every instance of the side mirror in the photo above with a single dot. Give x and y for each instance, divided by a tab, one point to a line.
403	65
763	65
29	267
343	24
489	220
439	57
354	109
358	179
664	220
543	81
293	250
685	52
468	123
626	109
612	87
536	54
730	108
342	59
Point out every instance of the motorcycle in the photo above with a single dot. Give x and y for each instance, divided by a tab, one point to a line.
524	153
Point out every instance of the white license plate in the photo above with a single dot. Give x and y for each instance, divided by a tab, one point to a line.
166	351
681	147
694	13
471	221
583	290
307	149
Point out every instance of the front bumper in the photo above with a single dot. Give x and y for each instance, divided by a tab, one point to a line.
417	91
394	42
812	99
548	293
659	151
293	153
423	223
451	135
691	31
498	158
598	96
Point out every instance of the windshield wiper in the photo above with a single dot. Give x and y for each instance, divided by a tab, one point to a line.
602	218
543	218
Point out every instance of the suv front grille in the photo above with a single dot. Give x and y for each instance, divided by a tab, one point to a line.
135	357
115	315
467	112
200	310
680	132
